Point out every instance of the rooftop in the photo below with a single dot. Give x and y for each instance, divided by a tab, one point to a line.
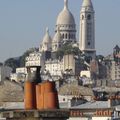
11	92
75	90
93	105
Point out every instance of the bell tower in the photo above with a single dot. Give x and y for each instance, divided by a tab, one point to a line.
87	29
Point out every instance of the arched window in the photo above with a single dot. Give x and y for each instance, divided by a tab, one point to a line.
66	36
59	45
69	36
55	46
82	17
89	17
63	36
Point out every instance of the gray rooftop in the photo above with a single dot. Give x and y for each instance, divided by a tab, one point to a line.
72	89
93	105
107	89
11	92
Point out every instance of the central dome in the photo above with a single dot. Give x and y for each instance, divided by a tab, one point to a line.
65	16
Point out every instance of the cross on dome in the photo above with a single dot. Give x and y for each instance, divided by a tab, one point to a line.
65	4
47	30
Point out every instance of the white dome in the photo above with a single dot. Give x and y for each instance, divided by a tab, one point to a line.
57	37
47	38
87	3
65	16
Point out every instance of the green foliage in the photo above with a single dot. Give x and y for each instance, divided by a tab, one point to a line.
88	59
76	51
99	57
67	49
13	63
60	53
22	58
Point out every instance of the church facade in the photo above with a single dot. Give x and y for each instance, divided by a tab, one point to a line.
65	32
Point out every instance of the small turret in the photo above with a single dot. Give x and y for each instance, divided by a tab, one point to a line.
46	43
87	3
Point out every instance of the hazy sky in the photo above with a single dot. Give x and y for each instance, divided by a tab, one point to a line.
23	23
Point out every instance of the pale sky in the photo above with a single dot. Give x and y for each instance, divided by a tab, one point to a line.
23	24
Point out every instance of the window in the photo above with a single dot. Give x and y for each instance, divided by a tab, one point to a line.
55	46
69	36
89	17
82	17
88	43
63	36
89	27
66	36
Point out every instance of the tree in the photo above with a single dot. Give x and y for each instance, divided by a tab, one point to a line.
13	63
19	61
76	51
67	49
99	57
23	57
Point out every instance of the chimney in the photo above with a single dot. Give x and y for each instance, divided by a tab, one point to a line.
38	94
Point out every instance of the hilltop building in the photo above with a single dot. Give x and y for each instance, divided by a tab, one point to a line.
65	30
65	34
113	64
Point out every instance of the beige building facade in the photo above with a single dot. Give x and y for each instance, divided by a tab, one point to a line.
35	59
54	67
115	71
